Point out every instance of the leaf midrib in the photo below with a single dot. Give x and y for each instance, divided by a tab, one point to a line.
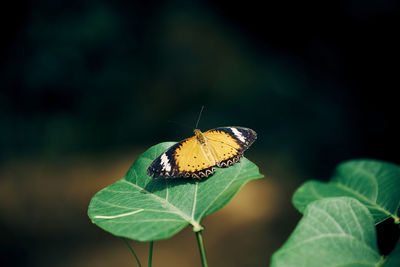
178	211
361	168
227	185
362	197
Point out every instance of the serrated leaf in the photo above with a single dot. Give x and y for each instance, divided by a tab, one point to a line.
374	183
142	208
333	232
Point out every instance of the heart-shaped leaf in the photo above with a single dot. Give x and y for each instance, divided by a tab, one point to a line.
333	232
142	208
374	183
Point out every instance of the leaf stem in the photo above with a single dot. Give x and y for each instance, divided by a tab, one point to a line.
150	252
201	249
396	219
133	252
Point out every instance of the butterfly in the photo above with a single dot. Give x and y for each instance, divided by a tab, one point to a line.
197	156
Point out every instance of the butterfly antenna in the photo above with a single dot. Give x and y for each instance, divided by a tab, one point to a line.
198	119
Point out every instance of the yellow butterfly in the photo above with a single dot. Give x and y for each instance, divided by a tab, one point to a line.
198	155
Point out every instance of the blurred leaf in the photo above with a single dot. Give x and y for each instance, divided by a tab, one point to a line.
374	183
142	208
333	232
393	260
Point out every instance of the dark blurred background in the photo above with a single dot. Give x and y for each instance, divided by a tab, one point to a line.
86	86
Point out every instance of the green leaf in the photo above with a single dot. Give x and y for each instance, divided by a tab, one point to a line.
333	232
374	183
393	260
142	208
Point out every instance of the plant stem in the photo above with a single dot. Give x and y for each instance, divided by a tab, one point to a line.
133	252
202	249
150	253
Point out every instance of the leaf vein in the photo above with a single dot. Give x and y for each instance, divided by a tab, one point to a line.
363	198
178	211
215	199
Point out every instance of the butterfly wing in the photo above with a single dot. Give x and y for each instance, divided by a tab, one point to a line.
228	143
190	158
164	165
184	159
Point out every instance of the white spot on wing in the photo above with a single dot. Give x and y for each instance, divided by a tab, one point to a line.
165	163
238	135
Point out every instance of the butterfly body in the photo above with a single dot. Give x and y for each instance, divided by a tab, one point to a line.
197	156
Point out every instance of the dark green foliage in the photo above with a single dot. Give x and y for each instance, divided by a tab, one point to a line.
338	227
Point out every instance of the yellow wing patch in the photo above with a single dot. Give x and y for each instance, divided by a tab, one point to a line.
222	145
190	156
